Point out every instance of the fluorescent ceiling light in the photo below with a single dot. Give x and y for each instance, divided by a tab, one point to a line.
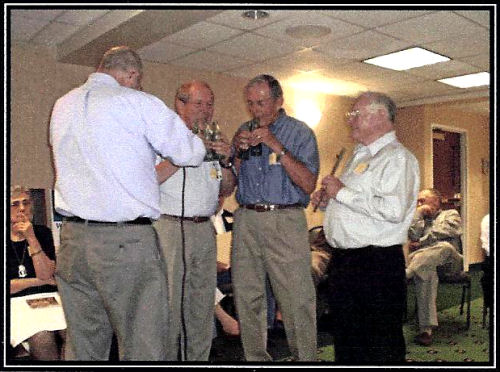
468	81
406	59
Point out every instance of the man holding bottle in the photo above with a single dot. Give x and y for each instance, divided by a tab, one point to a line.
270	230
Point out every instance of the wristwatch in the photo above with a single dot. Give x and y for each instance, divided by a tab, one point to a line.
226	166
282	152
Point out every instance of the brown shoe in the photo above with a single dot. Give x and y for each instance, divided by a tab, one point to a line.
424	339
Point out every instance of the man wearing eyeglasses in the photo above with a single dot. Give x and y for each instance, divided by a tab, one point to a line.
368	211
188	197
270	231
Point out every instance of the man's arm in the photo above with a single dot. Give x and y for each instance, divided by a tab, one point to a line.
164	170
447	225
296	169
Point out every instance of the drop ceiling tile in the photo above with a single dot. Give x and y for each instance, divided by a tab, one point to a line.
461	46
234	19
481	60
362	46
374	18
164	52
338	28
426	89
309	60
480	16
23	29
443	70
54	33
208	61
248	72
202	35
435	26
253	47
370	74
81	16
39	14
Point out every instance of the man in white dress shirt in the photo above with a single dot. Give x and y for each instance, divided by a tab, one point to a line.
189	196
368	211
105	135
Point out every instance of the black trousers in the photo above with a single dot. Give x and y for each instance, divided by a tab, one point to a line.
367	298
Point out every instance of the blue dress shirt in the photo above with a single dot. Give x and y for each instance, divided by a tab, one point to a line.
263	181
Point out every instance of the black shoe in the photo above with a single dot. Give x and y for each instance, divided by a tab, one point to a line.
424	339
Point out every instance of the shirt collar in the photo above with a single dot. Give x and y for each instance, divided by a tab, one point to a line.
281	114
374	147
102	78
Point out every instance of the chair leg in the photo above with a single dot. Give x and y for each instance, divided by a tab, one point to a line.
464	288
469	289
485	311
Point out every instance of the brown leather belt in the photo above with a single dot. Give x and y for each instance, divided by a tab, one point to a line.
270	207
195	219
137	221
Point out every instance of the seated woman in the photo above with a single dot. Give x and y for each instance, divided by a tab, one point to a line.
30	267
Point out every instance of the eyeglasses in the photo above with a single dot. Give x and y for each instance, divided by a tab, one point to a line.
259	103
352	115
17	203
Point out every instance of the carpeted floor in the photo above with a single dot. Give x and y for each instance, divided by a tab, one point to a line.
452	344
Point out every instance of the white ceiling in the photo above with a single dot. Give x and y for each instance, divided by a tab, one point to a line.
221	40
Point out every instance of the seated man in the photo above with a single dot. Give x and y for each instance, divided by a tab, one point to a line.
435	237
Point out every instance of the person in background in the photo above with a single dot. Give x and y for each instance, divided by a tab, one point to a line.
105	136
30	269
278	164
368	211
435	241
487	266
189	197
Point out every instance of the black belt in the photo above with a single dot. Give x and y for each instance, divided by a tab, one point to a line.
195	219
270	207
137	221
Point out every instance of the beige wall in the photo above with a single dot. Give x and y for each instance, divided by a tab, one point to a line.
415	131
37	80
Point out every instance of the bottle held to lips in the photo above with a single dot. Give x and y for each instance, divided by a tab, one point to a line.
257	149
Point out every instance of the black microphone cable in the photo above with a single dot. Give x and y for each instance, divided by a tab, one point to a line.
184	265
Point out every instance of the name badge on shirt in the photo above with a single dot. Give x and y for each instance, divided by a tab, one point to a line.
215	173
361	168
273	158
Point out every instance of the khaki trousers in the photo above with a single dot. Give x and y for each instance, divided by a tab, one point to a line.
112	279
424	263
191	291
276	243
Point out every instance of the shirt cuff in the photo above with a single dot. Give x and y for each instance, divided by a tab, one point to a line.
345	195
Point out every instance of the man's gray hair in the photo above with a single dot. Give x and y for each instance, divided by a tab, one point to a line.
120	58
272	83
385	100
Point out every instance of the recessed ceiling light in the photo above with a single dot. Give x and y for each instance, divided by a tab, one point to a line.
307	31
406	59
255	14
468	81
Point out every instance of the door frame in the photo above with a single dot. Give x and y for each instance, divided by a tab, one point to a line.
464	187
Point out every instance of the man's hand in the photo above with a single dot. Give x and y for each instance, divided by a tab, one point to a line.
221	267
319	199
264	135
221	147
413	246
241	140
331	185
426	210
